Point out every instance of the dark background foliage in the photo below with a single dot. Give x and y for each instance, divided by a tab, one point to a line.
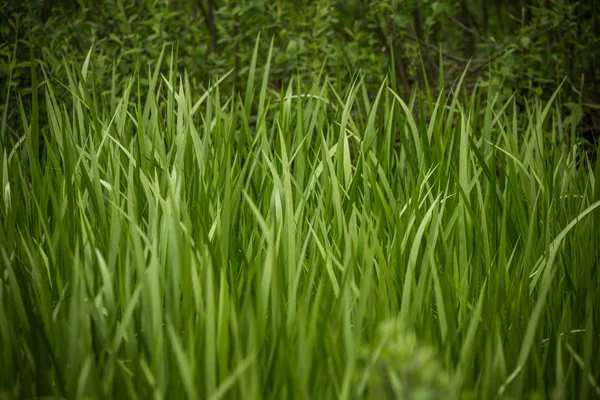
519	47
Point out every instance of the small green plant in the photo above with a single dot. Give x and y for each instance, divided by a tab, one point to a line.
396	366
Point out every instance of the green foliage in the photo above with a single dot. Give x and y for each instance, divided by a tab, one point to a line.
169	243
396	366
526	47
383	199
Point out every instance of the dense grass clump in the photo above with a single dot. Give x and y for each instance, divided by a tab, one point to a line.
318	243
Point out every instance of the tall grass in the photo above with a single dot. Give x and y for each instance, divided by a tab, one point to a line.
315	243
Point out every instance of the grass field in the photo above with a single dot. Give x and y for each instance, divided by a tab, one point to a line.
321	243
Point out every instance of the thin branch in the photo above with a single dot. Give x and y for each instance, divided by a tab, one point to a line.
13	133
466	28
445	54
207	13
396	59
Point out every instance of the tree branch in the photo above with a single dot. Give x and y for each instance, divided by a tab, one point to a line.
454	57
466	28
207	13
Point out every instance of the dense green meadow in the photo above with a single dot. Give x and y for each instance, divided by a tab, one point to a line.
317	242
379	199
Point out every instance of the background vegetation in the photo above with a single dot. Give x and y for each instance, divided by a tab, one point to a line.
517	46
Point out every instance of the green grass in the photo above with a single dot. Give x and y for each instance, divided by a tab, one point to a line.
320	243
